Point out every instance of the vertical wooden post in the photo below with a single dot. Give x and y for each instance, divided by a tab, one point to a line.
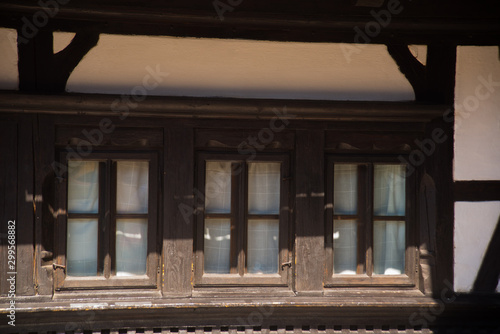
309	212
178	174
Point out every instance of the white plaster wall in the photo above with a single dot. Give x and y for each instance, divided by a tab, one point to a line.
477	108
9	78
474	226
237	68
477	154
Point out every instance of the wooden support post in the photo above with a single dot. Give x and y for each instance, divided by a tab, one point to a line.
309	212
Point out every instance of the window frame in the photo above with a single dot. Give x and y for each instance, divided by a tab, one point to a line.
364	275
239	219
107	217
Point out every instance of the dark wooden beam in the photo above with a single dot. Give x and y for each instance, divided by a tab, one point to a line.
213	108
477	191
320	21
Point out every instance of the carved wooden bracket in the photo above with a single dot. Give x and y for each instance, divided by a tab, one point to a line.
433	82
40	70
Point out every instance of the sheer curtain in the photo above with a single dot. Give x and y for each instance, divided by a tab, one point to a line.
132	189
345	231
263	234
217	233
83	197
389	235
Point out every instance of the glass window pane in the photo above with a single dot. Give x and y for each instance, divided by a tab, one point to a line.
218	187
264	187
217	246
345	194
263	246
389	192
83	186
132	186
81	255
131	246
345	243
389	247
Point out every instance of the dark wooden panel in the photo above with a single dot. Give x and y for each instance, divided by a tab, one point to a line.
46	213
309	211
270	136
111	136
27	201
8	193
388	141
477	191
178	210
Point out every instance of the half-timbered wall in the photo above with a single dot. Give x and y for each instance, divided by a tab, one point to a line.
477	156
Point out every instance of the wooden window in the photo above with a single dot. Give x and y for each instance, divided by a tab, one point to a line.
107	238
242	233
369	222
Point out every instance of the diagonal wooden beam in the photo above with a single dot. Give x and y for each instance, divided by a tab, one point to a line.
412	69
489	272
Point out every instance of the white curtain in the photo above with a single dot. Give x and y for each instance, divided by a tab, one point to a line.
389	236
218	187
131	246
264	180
132	186
345	243
81	255
217	245
263	246
264	187
345	195
388	247
389	190
83	197
83	186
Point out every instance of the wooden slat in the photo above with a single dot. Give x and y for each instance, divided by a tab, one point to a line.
489	272
477	191
309	211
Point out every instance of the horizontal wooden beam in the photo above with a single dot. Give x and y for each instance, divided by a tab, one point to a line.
325	21
212	108
477	191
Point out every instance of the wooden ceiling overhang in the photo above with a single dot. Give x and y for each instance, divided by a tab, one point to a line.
380	21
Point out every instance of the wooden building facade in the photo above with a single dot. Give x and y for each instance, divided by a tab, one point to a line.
146	212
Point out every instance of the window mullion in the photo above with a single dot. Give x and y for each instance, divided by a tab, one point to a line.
362	248
368	218
236	171
106	219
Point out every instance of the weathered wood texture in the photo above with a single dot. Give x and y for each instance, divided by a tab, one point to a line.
178	210
309	211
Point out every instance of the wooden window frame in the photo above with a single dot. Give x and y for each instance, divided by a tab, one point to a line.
239	220
364	272
107	217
